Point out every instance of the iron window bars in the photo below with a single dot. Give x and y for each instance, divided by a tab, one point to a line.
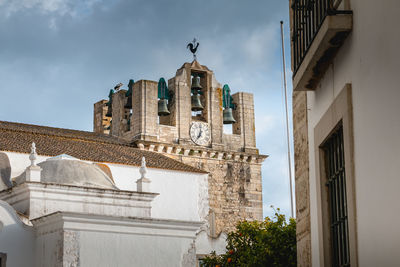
308	16
336	184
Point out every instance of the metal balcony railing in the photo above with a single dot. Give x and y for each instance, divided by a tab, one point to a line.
308	16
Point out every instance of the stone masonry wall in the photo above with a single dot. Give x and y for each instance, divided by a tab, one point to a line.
100	121
119	121
235	190
301	162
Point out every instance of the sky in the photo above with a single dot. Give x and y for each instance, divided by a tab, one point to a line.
59	57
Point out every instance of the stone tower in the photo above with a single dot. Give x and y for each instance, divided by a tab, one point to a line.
232	160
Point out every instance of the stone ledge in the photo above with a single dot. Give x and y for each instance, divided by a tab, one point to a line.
202	152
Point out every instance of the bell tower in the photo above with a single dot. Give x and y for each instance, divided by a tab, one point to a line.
184	119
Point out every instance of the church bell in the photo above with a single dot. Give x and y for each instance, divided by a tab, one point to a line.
196	103
196	83
163	108
228	116
196	87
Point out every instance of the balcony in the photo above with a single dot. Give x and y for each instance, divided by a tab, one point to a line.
319	28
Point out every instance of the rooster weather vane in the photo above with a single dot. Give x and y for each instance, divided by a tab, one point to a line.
193	47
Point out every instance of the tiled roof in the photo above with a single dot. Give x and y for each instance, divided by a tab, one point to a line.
17	137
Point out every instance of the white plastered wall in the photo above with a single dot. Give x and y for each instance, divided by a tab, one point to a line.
183	195
20	161
369	60
16	238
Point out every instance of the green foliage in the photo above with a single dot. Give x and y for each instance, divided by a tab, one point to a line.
268	243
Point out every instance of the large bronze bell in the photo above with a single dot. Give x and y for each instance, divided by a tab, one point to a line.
196	83
196	87
163	108
196	103
228	116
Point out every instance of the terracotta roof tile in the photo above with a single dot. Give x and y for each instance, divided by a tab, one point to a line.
17	137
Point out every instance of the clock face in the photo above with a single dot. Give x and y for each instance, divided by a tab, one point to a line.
200	133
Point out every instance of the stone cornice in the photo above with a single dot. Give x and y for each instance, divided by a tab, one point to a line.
76	221
200	152
39	199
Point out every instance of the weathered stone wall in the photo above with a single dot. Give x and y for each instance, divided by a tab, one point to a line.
119	114
100	121
232	142
244	115
301	162
235	190
181	105
167	134
144	110
216	111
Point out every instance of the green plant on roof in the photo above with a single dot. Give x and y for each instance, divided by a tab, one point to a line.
227	99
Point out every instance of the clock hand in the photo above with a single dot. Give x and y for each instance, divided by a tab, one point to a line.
200	132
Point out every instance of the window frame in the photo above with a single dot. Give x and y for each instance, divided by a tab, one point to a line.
338	113
335	182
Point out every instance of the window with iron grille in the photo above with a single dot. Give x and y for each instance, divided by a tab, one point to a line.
336	186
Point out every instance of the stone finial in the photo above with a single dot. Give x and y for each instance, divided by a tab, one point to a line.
143	168
33	155
33	172
143	184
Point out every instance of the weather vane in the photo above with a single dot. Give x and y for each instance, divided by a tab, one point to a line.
193	47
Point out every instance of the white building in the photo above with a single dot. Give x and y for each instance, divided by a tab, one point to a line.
86	199
346	108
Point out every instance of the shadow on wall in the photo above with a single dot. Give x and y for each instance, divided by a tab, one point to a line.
5	172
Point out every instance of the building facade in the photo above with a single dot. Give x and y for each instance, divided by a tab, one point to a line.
142	189
231	159
346	127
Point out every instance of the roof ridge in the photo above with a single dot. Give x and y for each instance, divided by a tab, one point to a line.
92	136
51	141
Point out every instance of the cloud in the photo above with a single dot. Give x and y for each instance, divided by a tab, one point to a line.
253	48
58	57
46	6
59	7
265	123
260	43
